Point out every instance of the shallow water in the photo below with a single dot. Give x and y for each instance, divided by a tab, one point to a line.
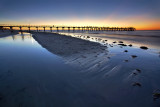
31	76
28	72
124	72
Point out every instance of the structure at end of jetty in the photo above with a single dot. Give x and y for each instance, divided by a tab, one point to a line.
63	28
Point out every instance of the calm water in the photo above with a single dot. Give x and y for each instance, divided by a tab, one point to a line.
31	76
134	33
146	33
150	39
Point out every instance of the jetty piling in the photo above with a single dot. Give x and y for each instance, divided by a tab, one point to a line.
29	30
57	29
51	29
68	28
44	29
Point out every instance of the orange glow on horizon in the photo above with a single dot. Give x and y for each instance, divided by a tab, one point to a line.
142	22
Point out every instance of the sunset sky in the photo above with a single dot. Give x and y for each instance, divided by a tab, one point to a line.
141	14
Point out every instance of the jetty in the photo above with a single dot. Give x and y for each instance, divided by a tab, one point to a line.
63	28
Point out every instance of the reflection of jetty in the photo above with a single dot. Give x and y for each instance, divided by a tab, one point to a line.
79	28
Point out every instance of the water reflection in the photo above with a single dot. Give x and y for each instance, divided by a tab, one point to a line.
27	70
32	76
151	41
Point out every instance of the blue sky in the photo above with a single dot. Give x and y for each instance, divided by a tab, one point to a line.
36	11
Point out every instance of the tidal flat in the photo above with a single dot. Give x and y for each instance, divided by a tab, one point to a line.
42	69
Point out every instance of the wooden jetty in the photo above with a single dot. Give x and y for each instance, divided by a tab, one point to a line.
68	28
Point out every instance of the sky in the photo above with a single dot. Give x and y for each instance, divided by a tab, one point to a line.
141	14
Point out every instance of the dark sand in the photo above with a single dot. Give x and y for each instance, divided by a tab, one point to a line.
75	51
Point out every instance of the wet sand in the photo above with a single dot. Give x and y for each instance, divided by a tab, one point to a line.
78	52
120	72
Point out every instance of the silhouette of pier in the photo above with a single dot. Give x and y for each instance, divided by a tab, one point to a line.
63	28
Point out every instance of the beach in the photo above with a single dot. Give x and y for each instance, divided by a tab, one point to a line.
78	69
